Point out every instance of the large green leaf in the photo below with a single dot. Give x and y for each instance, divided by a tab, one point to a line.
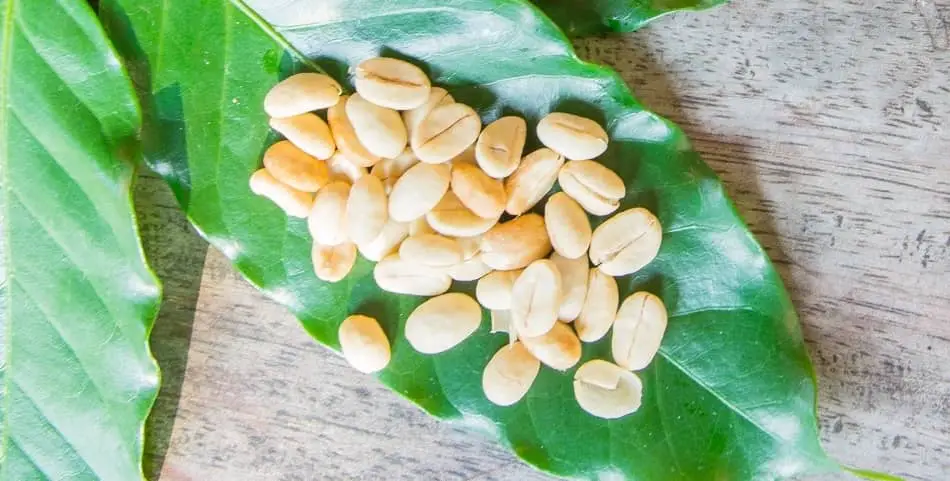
732	395
587	17
78	299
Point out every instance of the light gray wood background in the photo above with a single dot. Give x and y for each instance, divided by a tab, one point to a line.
827	121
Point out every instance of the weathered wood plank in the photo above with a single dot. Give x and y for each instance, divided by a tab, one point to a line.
829	126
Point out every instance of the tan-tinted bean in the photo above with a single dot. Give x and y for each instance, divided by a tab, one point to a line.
308	132
516	243
342	168
638	330
532	181
386	242
333	263
391	83
509	374
345	137
568	226
366	210
452	218
293	202
600	307
437	96
431	250
596	188
558	348
499	147
327	220
418	191
606	390
442	322
574	137
445	133
482	194
379	129
494	290
536	298
364	344
301	93
574	278
294	167
398	276
626	242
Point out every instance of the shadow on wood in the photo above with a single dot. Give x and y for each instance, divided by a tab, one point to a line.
177	254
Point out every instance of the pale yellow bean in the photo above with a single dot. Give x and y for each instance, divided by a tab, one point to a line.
482	194
418	191
568	226
558	348
345	137
638	330
516	243
379	129
367	210
606	390
294	167
536	298
445	133
442	322
364	344
573	136
499	147
532	181
626	242
391	83
600	307
509	375
327	220
308	132
333	263
301	93
293	202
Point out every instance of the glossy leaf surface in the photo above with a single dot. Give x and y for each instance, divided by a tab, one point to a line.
78	299
589	17
732	395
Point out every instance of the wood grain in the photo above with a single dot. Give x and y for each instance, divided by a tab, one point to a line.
828	124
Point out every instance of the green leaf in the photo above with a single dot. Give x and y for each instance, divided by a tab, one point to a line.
589	17
732	394
78	299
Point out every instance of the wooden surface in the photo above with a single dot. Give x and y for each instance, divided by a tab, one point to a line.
828	122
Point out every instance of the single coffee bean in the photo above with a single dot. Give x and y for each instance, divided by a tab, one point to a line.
452	218
568	226
516	243
293	202
600	307
431	250
574	277
469	269
391	83
364	344
482	194
509	374
638	330
333	263
558	349
442	322
294	167
393	274
345	137
389	170
379	129
572	136
327	220
386	242
606	390
596	188
532	181
308	132
536	298
445	133
437	96
499	147
301	93
366	210
342	168
626	242
494	290
418	191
